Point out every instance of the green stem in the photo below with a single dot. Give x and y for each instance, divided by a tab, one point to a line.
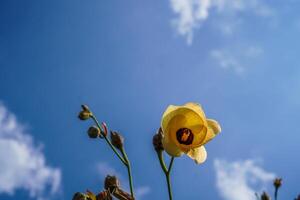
166	171
171	164
169	186
162	162
128	170
108	142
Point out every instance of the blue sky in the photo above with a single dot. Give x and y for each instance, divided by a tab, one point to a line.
128	60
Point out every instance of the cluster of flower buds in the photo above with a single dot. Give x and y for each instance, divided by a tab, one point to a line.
93	131
111	189
112	184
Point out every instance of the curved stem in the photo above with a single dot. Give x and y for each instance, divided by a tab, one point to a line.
124	159
108	142
128	170
162	162
171	164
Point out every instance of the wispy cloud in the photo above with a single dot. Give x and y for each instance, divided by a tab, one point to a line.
236	59
105	169
23	165
241	179
190	14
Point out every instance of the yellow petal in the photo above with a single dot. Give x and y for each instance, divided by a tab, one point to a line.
167	117
170	147
213	129
196	107
214	125
198	154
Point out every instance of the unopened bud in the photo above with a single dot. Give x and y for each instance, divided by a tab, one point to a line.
265	196
85	113
105	131
157	141
94	132
277	183
111	183
116	139
80	196
104	195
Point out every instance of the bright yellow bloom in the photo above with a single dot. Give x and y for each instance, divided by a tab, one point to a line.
186	129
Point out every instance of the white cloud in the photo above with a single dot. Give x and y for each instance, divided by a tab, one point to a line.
192	13
105	169
236	59
23	165
241	179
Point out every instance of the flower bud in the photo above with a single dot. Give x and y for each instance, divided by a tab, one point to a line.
121	194
265	196
157	141
111	183
94	132
84	115
105	131
104	195
80	196
277	183
116	139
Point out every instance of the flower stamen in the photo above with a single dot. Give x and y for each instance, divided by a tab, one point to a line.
185	136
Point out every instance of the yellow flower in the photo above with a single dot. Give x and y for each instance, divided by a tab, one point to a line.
185	131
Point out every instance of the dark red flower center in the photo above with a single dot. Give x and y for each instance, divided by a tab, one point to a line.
185	136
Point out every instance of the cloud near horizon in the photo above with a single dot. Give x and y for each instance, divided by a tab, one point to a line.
23	164
240	180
